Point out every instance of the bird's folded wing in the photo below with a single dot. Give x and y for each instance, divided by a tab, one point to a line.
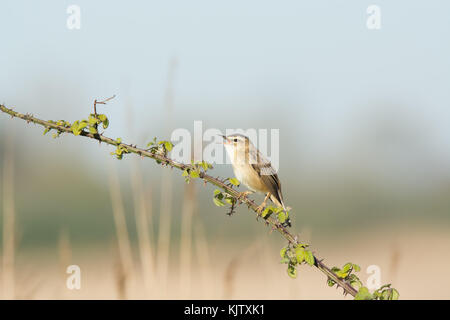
268	175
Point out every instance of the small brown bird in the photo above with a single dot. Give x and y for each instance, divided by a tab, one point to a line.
253	169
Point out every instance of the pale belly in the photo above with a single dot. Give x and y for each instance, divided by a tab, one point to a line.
246	175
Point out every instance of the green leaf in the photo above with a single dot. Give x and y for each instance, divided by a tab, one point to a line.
76	128
347	267
102	117
185	173
395	295
218	203
282	217
341	274
283	252
93	130
266	213
83	124
303	255
363	294
300	254
93	120
217	191
292	271
357	284
151	143
205	165
354	281
168	145
234	181
105	123
384	295
384	286
309	257
194	174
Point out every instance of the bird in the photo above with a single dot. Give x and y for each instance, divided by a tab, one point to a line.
253	170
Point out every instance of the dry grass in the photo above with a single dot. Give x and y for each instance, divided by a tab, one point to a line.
202	256
205	269
126	268
255	272
143	209
164	232
185	262
9	222
165	217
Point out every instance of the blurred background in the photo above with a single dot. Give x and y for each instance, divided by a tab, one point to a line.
364	145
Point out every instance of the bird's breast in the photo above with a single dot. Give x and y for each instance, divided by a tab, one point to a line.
249	177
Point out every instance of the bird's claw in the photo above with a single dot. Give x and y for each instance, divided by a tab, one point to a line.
260	209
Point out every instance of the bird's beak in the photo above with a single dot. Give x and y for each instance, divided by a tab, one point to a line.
224	138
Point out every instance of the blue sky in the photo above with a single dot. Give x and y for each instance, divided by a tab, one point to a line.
310	68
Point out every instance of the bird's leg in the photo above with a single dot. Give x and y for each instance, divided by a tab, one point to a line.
244	194
261	207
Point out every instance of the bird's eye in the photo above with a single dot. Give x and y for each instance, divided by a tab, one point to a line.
235	140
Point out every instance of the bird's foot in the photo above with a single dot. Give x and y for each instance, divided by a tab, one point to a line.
260	208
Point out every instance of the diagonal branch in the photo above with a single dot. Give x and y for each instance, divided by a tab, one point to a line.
272	221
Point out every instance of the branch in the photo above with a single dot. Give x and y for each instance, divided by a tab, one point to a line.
341	277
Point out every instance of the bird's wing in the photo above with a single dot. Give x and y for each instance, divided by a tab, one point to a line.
267	173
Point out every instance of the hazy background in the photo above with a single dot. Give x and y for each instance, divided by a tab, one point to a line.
364	151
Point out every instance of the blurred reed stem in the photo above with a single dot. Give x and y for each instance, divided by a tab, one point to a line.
164	230
65	256
165	216
143	210
8	279
123	240
185	273
142	207
204	260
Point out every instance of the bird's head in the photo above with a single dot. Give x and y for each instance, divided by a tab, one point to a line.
237	146
235	139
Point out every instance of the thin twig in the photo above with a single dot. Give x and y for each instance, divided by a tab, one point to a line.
101	102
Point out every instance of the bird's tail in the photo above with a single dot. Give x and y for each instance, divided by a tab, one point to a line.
278	200
280	203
